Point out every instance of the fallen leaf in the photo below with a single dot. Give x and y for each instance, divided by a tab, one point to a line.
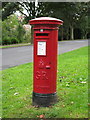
88	104
50	106
80	78
36	106
41	116
70	114
72	102
62	77
82	82
16	93
63	105
11	87
67	85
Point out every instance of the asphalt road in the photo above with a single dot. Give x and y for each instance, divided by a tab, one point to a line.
20	55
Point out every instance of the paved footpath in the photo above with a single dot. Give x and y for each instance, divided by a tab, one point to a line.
20	55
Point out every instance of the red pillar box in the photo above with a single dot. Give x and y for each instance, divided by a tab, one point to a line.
45	60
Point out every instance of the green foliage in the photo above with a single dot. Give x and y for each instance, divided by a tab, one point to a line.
6	41
20	33
9	29
72	89
12	31
14	40
8	8
27	37
0	32
74	14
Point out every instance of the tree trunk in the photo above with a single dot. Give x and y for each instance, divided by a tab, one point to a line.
83	37
62	33
31	34
72	33
86	34
67	35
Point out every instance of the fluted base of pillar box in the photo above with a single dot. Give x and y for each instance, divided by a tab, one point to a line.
44	100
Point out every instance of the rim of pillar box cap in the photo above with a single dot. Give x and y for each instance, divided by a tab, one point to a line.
46	20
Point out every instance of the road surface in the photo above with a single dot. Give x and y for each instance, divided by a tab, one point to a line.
20	55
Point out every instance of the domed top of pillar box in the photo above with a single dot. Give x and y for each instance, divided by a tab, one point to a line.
46	20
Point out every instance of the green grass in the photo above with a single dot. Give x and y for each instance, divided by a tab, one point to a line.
72	89
15	45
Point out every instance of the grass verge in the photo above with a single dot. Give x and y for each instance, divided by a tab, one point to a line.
72	89
15	45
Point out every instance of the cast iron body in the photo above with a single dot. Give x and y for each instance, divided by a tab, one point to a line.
45	60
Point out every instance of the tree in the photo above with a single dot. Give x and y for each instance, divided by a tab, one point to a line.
29	7
9	8
74	14
20	33
12	31
32	12
84	21
66	12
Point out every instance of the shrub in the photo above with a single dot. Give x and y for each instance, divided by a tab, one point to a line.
14	40
6	41
12	31
0	42
27	37
21	33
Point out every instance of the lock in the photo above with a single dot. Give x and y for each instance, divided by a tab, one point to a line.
47	66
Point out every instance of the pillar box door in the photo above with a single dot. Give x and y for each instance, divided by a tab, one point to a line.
45	60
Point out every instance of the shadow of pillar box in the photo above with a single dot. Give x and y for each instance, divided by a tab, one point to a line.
45	60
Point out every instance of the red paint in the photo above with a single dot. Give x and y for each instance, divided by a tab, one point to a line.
45	66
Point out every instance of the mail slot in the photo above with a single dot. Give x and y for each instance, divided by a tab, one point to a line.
41	34
45	60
